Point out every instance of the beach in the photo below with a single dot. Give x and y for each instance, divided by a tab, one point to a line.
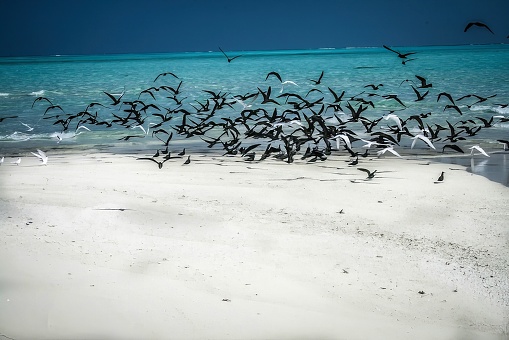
103	246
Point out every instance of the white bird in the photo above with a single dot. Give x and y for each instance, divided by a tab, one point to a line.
343	137
81	127
41	155
286	82
17	161
244	105
390	149
1	160
394	118
369	143
478	148
424	139
29	128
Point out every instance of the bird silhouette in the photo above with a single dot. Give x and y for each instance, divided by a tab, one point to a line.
228	58
371	174
478	24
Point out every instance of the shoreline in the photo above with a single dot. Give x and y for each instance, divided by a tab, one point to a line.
98	245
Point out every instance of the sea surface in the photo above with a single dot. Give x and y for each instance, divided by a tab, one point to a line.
45	99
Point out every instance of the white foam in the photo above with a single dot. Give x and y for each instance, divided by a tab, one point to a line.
37	93
2	94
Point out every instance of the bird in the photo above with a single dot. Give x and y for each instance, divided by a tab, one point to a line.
424	83
182	153
478	148
441	177
2	160
319	80
17	161
115	101
394	118
159	164
29	128
188	160
371	174
165	74
504	142
400	55
41	155
390	149
479	24
424	139
229	59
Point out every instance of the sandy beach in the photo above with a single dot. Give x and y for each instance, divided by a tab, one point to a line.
102	246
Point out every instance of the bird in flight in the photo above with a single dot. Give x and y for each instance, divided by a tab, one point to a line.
371	174
400	55
479	24
229	59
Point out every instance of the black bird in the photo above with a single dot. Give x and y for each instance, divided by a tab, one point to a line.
504	142
41	98
182	153
165	74
454	147
447	95
229	59
441	177
479	24
419	95
159	164
319	80
424	83
274	73
400	55
374	87
188	160
3	118
371	174
115	100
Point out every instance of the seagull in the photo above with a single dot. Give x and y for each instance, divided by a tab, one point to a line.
424	139
371	174
42	156
2	160
369	143
390	149
17	161
478	148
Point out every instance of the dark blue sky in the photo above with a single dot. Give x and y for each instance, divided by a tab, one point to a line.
100	26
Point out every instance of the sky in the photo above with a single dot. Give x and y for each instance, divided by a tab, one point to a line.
70	27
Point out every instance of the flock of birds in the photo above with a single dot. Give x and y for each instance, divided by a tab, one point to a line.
285	126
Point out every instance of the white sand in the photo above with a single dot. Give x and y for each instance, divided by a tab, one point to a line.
225	249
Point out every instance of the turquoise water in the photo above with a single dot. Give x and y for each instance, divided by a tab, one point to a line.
73	82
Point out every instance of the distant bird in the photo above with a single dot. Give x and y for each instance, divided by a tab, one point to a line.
319	80
395	119
41	98
390	149
182	153
478	148
41	155
2	160
371	174
454	147
29	128
424	82
165	74
17	161
159	164
440	178
188	160
3	118
115	100
479	24
424	139
228	58
400	55
504	142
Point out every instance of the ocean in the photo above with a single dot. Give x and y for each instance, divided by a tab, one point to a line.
44	99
